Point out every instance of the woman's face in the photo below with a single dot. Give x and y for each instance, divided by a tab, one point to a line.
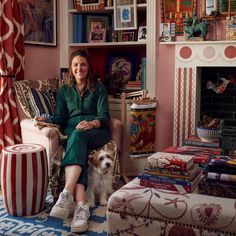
80	68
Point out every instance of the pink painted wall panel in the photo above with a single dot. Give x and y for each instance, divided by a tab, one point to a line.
41	62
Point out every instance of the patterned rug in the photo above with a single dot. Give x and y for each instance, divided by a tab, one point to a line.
42	224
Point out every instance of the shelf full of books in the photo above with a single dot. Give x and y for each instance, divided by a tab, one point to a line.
98	27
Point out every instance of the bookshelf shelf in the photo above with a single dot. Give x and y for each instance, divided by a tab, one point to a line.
109	44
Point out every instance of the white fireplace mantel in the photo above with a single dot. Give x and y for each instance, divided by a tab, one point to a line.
188	57
198	42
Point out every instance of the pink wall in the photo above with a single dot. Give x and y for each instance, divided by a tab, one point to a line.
41	62
164	95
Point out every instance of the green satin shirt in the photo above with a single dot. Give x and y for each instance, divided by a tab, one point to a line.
71	108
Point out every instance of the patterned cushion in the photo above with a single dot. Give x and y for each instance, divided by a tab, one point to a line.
41	102
23	90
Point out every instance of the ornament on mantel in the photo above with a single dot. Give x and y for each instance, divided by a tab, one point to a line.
221	84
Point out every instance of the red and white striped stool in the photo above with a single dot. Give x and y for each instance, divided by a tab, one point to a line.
24	178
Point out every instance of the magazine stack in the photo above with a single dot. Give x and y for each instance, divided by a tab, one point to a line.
220	178
171	171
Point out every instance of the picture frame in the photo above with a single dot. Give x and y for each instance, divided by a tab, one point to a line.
167	32
125	14
98	21
142	33
40	22
127	36
97	35
226	9
127	72
170	12
90	5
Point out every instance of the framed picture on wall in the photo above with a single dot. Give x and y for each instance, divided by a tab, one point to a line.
40	22
170	12
125	14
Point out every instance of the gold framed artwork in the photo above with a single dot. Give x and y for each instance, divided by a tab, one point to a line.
90	5
125	14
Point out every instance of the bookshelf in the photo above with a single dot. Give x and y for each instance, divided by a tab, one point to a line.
145	48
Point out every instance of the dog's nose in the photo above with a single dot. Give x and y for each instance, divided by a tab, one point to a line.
108	164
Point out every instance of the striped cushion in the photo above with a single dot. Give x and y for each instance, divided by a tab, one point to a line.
41	102
32	93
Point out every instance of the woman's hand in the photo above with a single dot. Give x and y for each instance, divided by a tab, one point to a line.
40	118
85	125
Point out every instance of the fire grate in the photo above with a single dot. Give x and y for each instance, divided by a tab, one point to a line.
227	136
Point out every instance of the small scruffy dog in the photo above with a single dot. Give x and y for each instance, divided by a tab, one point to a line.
100	178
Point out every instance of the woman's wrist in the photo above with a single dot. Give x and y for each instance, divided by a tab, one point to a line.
92	124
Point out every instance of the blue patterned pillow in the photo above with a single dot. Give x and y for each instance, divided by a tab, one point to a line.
41	102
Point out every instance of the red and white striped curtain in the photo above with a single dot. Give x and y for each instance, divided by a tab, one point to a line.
12	51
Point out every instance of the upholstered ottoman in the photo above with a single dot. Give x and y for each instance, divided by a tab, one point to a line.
24	178
138	210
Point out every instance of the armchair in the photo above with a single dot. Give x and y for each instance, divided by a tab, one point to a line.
35	97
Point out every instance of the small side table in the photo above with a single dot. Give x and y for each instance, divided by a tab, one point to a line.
24	178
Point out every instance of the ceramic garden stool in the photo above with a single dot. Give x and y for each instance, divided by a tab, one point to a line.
24	178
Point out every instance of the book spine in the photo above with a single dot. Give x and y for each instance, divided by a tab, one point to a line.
165	186
221	176
75	28
144	73
187	177
168	172
201	144
163	179
80	28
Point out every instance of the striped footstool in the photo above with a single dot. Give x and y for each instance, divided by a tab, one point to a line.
24	178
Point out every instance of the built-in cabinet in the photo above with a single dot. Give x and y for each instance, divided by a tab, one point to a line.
147	47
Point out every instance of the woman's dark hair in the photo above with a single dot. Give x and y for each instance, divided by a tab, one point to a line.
90	78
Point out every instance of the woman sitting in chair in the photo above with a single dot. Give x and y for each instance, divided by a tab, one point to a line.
82	111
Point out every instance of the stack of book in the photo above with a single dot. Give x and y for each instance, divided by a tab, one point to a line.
202	155
171	171
220	178
133	85
195	141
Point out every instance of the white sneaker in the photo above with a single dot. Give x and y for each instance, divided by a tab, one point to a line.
80	219
63	206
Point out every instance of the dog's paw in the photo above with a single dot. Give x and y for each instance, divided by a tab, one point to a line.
103	202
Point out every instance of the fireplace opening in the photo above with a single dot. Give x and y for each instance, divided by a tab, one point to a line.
217	96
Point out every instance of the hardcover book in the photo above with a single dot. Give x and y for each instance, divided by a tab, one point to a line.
201	154
189	174
168	186
170	180
221	177
194	140
222	164
171	161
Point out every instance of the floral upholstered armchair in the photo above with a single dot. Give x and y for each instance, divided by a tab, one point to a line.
37	97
